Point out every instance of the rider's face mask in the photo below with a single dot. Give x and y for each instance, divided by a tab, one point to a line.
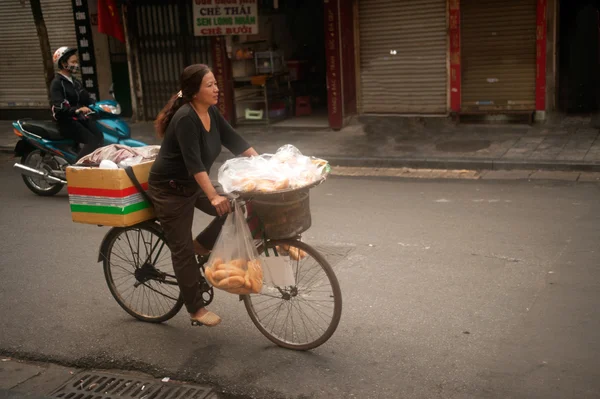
73	68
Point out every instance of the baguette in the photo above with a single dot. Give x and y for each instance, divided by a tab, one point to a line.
217	262
255	275
223	274
239	263
208	273
231	282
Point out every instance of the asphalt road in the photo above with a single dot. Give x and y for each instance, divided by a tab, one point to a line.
452	289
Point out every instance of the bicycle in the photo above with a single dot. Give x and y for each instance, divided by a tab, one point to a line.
317	291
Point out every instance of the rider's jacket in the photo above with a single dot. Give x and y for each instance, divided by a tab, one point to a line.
66	97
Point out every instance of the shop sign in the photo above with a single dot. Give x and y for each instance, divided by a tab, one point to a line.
85	47
225	17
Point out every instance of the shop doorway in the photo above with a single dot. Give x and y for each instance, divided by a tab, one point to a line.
306	54
290	50
579	56
121	86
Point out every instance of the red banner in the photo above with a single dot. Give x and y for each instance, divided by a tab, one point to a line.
540	48
109	21
220	69
334	71
455	55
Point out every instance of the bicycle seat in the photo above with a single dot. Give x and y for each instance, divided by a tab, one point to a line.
45	129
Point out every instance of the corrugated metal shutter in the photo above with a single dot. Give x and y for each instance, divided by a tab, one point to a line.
21	70
22	83
498	54
403	62
166	47
58	15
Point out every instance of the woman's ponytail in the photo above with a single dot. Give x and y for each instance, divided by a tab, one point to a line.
164	117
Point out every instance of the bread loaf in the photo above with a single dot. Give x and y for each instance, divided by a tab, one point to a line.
239	263
217	262
282	184
223	274
255	275
297	254
209	276
231	282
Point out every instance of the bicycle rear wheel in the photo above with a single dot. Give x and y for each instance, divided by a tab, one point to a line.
306	315
139	272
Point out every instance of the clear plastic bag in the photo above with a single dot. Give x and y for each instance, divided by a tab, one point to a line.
234	265
118	153
286	169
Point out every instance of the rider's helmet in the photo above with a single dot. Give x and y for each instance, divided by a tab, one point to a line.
62	54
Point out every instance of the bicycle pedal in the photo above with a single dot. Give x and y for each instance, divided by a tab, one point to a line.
196	323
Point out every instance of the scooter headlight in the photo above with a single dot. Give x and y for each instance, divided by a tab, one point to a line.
111	109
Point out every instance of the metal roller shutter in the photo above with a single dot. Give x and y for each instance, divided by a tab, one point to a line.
22	83
403	62
498	54
21	70
166	47
60	23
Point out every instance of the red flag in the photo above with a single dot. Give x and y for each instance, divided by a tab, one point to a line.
109	21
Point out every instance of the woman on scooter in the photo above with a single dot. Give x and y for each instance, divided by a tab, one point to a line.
70	103
193	132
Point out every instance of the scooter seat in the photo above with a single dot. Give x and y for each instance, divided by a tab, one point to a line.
45	129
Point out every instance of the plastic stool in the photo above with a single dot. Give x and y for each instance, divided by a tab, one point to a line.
303	106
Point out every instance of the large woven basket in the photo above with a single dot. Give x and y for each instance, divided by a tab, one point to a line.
283	215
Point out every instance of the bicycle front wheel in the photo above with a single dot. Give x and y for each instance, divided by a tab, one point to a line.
303	316
139	272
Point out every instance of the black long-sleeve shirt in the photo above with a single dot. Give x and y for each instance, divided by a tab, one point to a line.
67	97
188	148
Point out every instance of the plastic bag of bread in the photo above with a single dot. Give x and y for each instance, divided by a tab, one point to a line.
286	169
234	265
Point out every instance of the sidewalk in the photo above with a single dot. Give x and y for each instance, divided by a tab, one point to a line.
433	143
34	380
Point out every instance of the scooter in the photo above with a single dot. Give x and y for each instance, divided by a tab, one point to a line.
45	153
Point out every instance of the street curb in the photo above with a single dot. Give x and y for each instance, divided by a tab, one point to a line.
445	163
471	164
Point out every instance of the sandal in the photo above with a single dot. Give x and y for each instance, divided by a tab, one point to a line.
209	320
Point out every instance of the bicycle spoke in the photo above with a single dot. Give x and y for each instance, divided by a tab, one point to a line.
317	311
303	319
130	246
156	291
316	327
123	259
302	316
313	277
130	264
274	313
270	306
270	298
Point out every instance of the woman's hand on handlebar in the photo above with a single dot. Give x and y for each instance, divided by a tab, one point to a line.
221	204
83	110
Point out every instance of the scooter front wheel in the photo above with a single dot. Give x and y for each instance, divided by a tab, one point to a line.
39	185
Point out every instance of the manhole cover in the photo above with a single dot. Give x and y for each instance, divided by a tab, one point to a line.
109	386
463	145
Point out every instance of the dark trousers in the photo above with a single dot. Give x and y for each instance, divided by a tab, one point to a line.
84	132
174	208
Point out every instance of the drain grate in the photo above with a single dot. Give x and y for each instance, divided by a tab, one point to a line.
111	386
